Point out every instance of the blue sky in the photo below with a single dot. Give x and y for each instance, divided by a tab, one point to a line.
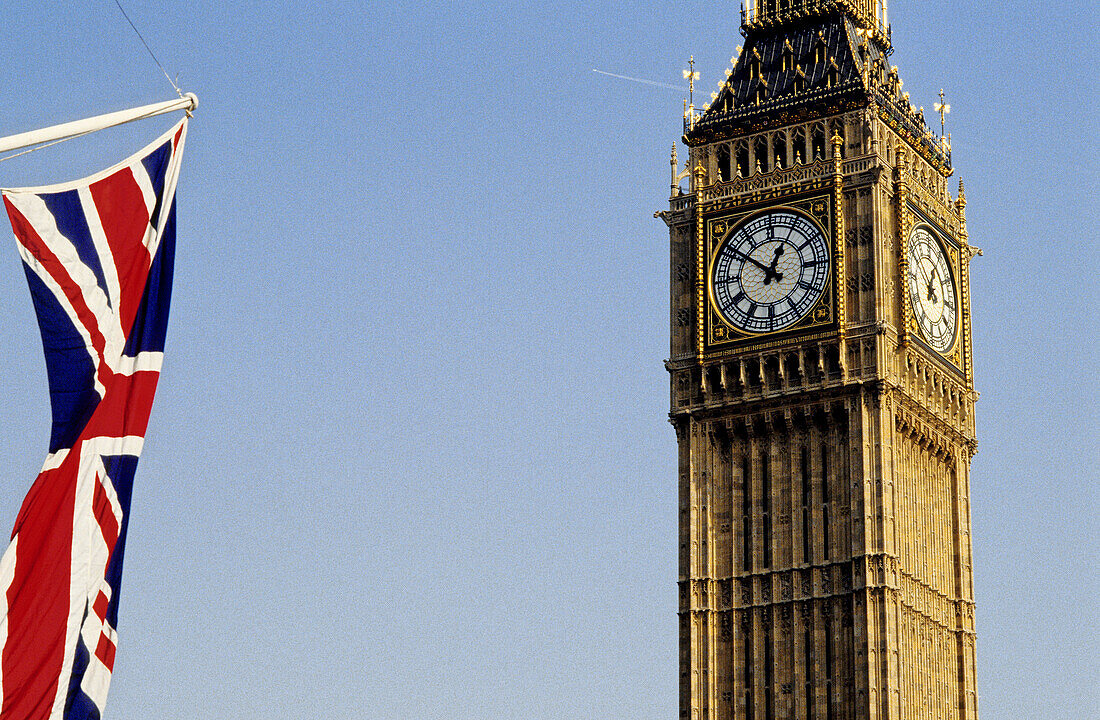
409	457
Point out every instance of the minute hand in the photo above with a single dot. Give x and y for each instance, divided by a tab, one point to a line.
754	261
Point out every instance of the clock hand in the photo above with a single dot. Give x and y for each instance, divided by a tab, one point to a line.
924	277
770	272
931	282
754	261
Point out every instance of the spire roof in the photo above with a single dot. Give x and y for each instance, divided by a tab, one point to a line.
804	64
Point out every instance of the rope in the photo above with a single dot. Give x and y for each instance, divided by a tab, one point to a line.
40	147
140	37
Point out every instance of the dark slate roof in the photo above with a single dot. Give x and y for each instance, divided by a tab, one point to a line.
804	82
848	74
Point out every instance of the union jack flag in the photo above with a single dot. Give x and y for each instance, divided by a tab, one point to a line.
98	254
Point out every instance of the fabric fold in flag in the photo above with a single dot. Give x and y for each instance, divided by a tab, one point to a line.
98	254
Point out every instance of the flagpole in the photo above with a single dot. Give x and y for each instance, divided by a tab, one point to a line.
81	127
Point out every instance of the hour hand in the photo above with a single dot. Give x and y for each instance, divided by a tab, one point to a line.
932	285
775	262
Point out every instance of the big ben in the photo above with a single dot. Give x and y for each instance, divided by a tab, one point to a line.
822	389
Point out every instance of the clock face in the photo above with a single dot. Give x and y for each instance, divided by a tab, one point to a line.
770	271
931	290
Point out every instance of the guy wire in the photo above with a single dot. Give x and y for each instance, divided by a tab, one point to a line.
151	54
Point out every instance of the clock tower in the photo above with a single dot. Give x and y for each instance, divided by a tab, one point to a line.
822	385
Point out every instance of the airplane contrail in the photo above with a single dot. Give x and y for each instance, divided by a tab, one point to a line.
640	80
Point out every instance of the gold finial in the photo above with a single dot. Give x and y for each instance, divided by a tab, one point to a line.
689	107
699	174
691	76
943	109
900	162
838	142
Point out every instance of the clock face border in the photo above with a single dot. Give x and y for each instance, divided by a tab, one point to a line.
952	251
940	253
720	334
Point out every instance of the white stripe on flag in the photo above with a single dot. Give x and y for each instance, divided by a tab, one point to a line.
111	323
142	362
7	575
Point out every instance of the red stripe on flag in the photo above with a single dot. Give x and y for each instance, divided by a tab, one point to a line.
38	598
100	606
125	408
105	651
125	219
105	515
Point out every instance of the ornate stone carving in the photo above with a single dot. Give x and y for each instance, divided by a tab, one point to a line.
806	611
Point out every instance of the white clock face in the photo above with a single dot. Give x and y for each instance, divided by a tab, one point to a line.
770	271
932	290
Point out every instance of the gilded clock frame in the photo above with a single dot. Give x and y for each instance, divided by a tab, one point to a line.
953	251
822	319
